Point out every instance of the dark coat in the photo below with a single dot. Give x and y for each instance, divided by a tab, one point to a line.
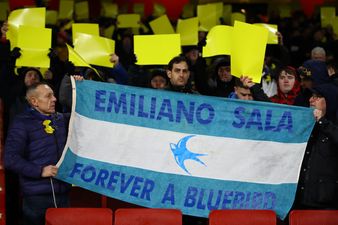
29	148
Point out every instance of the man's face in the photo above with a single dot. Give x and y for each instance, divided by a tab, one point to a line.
224	73
44	100
179	74
286	82
243	93
318	102
31	77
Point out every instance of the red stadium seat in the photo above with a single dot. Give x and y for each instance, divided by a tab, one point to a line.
242	217
142	216
79	216
313	217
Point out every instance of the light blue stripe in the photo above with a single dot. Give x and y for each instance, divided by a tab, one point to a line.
283	194
222	124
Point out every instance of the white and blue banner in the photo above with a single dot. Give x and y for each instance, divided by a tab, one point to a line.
163	149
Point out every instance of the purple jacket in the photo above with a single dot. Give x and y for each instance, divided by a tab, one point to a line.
29	148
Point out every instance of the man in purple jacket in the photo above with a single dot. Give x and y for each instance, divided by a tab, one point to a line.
34	144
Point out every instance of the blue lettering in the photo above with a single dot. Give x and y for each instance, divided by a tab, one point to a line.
238	200
269	197
238	114
217	202
152	108
255	120
148	187
189	116
268	125
89	170
76	169
190	198
166	110
256	200
226	200
200	204
99	99
169	195
285	122
132	104
136	186
141	112
117	104
124	184
112	180
210	110
101	177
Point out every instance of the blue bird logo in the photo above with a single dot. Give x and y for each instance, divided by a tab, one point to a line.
181	153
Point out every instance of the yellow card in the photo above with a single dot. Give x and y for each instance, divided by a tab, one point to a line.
147	47
227	11
327	15
335	26
219	11
188	29
128	20
188	11
109	9
207	15
272	29
248	50
35	44
237	17
218	41
34	17
85	28
3	11
94	49
75	58
66	9
138	8
159	10
162	25
284	11
81	10
51	17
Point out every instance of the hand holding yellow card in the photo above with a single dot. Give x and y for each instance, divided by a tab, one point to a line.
128	20
218	41
35	44
162	25
156	49
248	50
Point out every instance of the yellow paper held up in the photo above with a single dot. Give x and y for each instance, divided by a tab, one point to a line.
35	44
156	49
108	32
335	26
327	15
162	25
109	9
248	50
85	28
188	29
51	17
81	10
94	49
128	20
218	41
272	29
237	17
34	17
66	9
75	58
227	11
4	9
207	15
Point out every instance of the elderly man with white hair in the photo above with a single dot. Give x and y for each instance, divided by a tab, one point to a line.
318	53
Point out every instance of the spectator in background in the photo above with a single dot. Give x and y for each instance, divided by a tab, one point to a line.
159	79
318	53
240	91
332	69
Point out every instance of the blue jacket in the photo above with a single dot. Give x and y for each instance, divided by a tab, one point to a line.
29	148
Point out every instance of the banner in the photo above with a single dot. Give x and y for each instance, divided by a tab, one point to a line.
164	149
